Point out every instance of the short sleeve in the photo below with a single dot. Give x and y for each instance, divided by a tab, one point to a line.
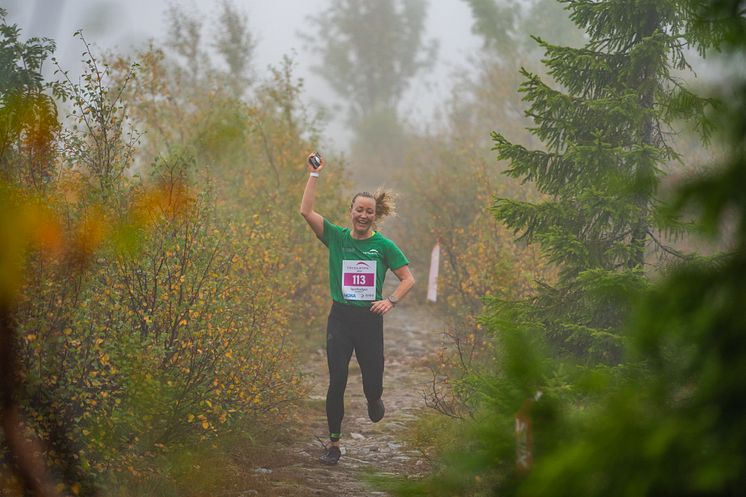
395	258
331	233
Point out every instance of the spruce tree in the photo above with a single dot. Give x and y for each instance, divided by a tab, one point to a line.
603	125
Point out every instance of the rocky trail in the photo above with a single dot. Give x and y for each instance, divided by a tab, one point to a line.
411	334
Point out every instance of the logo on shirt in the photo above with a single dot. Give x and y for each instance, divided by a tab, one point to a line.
372	253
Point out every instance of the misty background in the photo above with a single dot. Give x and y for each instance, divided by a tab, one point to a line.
278	29
160	332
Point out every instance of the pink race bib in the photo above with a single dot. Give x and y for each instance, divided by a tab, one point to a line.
359	280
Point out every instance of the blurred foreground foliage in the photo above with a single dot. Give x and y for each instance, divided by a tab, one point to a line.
153	265
669	419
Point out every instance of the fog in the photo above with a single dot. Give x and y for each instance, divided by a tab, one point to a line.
162	300
125	25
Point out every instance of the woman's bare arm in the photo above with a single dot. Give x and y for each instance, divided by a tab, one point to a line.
313	218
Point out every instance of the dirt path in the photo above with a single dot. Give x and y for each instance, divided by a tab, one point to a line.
412	333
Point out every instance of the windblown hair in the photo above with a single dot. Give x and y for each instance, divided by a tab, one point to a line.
385	202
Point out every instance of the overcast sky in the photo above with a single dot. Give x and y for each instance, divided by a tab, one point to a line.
126	24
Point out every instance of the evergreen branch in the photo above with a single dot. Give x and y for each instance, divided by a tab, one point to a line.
666	248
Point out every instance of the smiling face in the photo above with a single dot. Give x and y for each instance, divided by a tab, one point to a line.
363	215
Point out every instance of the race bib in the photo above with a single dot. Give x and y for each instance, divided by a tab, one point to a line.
359	280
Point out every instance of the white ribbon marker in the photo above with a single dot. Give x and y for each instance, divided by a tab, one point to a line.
432	281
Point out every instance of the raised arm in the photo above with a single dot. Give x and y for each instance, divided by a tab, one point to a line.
313	218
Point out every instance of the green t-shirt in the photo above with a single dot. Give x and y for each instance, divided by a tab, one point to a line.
357	268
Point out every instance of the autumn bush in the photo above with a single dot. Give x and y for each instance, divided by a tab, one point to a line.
171	319
252	151
183	336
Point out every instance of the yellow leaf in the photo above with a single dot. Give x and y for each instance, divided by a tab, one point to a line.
190	418
205	425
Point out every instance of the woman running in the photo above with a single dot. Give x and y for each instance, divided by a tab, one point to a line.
358	260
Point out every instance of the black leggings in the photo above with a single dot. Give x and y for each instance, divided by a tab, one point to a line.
352	328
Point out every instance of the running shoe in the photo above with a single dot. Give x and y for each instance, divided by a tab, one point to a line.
376	410
331	456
